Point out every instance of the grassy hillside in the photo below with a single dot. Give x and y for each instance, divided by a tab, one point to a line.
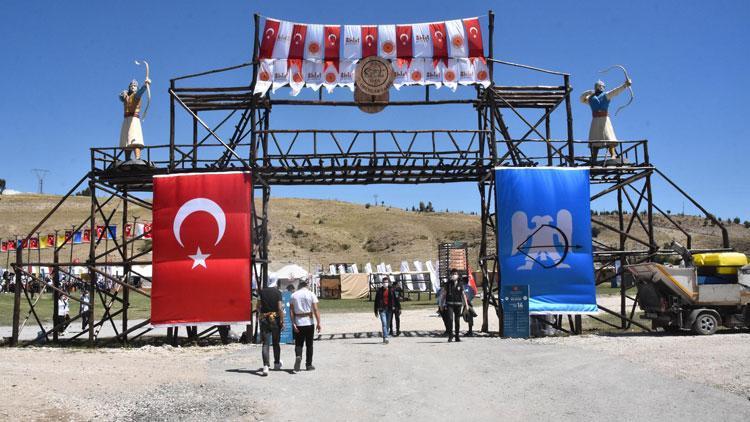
310	232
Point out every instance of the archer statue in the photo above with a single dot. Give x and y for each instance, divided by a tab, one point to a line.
601	133
131	134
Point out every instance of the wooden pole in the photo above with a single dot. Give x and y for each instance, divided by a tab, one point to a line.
55	293
17	295
91	263
569	112
125	269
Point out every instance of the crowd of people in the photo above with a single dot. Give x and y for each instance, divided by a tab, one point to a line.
68	286
454	304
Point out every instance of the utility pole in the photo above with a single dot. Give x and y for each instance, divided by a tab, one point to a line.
376	199
40	175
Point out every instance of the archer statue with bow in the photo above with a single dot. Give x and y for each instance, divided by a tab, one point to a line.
601	133
131	134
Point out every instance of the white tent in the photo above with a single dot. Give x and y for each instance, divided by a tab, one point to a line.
291	271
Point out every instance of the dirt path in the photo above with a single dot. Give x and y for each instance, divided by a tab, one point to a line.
419	377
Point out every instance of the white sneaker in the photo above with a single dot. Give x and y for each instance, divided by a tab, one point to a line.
265	371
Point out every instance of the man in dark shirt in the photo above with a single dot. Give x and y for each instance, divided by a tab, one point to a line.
271	322
398	294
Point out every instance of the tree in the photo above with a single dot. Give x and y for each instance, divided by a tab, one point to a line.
85	192
736	220
2	186
595	231
367	205
421	206
429	207
746	224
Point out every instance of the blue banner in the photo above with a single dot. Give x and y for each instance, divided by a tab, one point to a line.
287	336
544	237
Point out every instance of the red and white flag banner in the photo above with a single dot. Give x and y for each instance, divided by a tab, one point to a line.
310	55
369	41
201	249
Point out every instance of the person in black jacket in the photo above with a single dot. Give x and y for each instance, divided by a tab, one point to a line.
398	295
384	303
454	302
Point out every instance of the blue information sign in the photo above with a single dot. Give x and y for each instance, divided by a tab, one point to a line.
515	302
286	334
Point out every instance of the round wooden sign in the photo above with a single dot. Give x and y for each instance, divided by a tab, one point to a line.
365	101
374	75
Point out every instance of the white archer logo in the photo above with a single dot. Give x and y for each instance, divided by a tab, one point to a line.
545	244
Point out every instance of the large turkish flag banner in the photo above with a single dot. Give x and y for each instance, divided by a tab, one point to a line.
201	249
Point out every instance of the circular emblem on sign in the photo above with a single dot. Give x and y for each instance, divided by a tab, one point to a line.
458	41
416	75
330	77
374	75
264	76
387	47
297	77
482	75
313	48
450	75
370	103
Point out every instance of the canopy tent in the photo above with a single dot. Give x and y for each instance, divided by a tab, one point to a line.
290	274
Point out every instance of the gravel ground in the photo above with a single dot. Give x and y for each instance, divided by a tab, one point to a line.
417	376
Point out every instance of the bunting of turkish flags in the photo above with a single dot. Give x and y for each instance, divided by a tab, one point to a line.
449	53
201	249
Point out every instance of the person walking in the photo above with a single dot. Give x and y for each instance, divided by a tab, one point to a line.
271	323
454	303
63	312
398	294
84	310
303	307
384	302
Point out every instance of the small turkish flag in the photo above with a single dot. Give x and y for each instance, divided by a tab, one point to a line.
270	32
474	39
201	248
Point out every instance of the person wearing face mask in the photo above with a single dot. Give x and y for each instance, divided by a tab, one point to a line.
454	300
601	129
384	304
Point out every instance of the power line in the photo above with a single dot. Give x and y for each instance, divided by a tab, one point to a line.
40	175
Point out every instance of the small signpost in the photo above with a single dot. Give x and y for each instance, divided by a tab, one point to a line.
515	302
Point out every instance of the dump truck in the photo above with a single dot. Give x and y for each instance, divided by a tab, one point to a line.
705	292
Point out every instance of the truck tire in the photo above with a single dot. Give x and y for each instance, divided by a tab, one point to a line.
706	324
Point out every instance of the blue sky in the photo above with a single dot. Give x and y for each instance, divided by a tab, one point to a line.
64	63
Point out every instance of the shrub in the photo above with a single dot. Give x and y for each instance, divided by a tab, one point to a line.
367	205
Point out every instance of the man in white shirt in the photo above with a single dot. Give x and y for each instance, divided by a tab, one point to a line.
302	308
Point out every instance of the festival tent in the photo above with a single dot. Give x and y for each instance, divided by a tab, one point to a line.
289	274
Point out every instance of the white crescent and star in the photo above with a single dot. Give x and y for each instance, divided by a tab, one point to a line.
198	205
269	32
404	38
332	38
297	40
369	39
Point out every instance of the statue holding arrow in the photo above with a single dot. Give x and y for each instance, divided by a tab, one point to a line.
131	134
601	133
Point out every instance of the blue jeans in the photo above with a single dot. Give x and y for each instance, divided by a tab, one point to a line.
385	320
